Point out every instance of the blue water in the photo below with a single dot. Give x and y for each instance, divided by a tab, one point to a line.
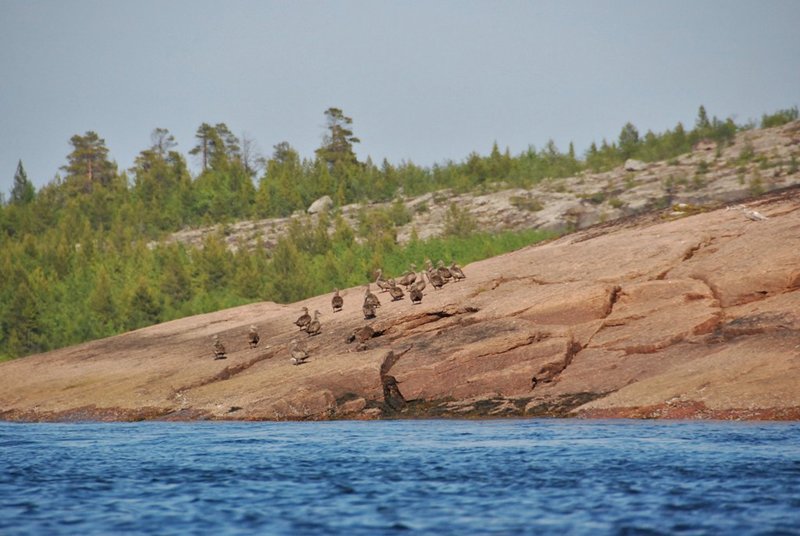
413	477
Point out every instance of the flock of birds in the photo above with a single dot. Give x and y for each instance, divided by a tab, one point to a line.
413	282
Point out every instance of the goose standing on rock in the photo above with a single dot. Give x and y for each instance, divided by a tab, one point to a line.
435	279
337	302
443	272
380	281
395	292
219	348
409	277
415	294
252	337
298	353
458	274
371	298
314	327
304	319
361	336
420	284
369	310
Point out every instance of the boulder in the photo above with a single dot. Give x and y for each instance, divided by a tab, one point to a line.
634	165
322	204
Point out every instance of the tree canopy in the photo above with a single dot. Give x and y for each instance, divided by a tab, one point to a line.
84	256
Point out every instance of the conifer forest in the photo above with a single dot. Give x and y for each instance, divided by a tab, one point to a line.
84	256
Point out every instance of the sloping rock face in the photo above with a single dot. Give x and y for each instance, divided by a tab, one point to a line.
657	316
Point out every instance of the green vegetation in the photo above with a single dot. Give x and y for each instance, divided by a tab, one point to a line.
781	117
459	222
526	202
84	256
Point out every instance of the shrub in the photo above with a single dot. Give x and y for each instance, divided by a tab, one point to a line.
459	221
526	202
595	198
781	117
747	153
756	185
399	213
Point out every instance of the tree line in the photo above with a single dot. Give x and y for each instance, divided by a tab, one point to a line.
81	258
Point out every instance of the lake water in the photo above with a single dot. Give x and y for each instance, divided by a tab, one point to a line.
413	477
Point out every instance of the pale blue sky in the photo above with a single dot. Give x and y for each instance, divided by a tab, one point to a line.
428	81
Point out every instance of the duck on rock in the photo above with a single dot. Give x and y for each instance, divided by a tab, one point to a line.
303	320
443	272
370	298
314	327
337	302
252	337
458	274
298	353
415	295
409	277
395	292
380	281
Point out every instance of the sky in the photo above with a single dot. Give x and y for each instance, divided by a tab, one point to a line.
426	81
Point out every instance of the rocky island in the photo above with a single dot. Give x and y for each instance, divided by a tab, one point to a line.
677	313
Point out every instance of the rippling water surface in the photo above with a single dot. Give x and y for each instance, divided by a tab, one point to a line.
437	477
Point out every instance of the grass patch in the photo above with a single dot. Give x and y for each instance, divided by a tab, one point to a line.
526	202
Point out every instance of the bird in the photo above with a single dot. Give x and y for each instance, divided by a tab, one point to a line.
409	277
361	336
371	298
252	337
380	281
298	353
435	279
420	284
395	292
337	302
415	295
442	270
304	319
458	274
219	348
314	327
368	309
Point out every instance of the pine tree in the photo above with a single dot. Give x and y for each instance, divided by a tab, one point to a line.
337	143
144	306
162	184
88	164
216	146
206	140
23	191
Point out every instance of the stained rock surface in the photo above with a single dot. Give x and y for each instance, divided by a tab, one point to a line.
654	316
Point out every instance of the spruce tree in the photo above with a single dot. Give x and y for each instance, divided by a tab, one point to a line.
23	191
628	140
